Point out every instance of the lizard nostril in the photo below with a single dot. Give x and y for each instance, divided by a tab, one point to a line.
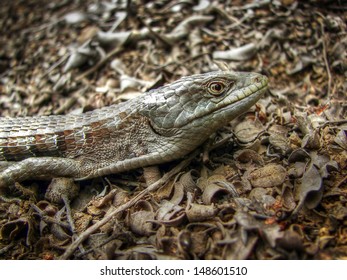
256	80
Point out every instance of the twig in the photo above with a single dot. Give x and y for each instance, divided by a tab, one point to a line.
6	248
325	57
235	21
55	65
341	182
326	63
109	239
100	63
69	251
49	219
160	37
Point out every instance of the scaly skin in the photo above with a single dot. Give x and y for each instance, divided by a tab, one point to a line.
159	126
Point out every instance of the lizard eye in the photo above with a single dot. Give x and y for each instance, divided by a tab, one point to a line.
216	88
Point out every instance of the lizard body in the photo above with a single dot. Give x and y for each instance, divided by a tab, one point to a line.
159	126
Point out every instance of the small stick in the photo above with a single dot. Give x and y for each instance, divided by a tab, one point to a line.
74	245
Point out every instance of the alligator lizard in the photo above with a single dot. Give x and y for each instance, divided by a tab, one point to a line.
159	126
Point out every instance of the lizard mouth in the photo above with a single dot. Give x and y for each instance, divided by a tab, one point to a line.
260	85
220	110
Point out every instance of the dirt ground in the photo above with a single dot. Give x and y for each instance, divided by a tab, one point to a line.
270	185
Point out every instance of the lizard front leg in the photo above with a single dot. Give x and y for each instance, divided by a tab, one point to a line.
40	168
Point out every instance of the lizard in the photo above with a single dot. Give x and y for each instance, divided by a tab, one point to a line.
158	126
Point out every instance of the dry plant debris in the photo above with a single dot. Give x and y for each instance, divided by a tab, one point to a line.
271	185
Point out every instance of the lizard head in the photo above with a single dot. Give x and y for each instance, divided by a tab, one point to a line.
201	104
